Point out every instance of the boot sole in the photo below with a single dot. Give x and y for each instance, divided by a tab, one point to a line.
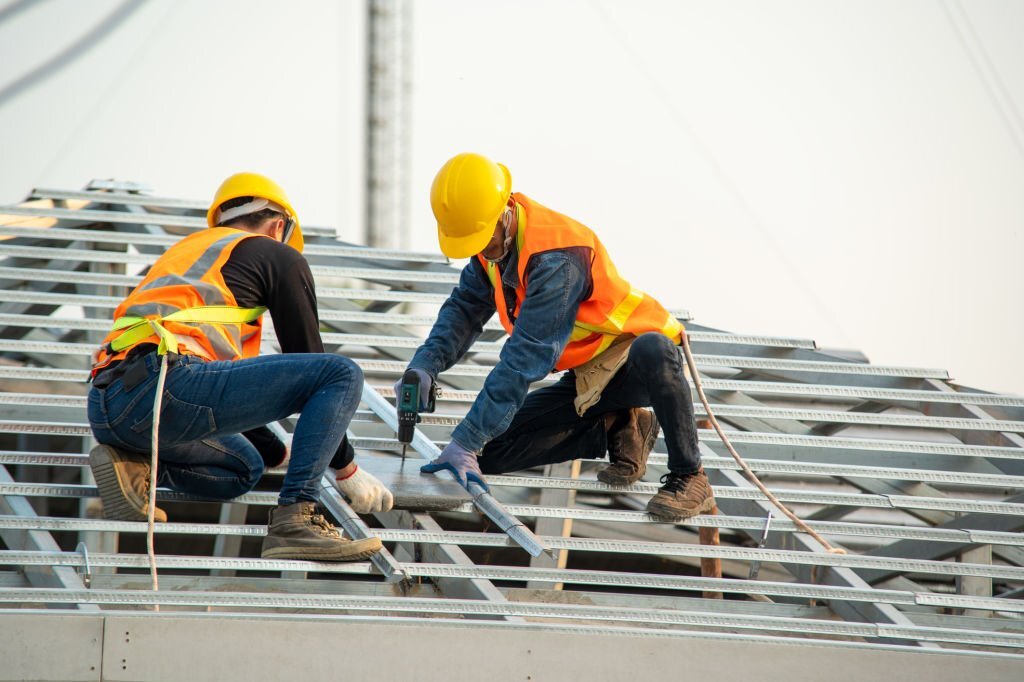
116	505
356	551
671	514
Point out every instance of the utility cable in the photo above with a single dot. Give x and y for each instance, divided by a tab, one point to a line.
743	465
986	71
72	52
17	7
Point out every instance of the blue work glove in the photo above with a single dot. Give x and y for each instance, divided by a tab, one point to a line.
426	381
461	462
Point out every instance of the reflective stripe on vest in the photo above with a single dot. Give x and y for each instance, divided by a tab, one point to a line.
614	306
184	306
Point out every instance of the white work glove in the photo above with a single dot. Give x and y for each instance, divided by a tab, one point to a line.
365	492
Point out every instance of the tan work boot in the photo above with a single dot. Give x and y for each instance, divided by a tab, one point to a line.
123	480
631	437
298	531
682	496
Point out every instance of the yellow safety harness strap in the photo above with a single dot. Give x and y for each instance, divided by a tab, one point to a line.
138	328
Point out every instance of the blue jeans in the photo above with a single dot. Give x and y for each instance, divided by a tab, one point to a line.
547	428
206	407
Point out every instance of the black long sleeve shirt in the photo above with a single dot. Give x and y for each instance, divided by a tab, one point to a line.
265	272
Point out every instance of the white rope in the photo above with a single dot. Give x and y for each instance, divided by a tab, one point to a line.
743	465
157	404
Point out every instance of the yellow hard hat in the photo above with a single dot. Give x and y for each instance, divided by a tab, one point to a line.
467	197
261	187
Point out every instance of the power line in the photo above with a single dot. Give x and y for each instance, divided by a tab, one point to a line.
17	8
986	71
69	54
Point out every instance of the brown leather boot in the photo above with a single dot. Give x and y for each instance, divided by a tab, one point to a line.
631	437
298	531
123	480
682	496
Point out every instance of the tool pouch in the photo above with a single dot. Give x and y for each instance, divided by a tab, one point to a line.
593	376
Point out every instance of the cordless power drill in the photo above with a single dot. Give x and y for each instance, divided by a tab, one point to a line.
408	401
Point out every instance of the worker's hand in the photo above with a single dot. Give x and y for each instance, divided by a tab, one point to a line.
426	381
461	462
365	492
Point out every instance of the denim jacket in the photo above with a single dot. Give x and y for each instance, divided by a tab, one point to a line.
557	282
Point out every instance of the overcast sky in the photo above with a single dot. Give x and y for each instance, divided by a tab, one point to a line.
851	172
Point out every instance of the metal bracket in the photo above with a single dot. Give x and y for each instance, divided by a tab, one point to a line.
755	566
86	570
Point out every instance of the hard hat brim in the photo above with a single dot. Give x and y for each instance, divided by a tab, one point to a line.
465	247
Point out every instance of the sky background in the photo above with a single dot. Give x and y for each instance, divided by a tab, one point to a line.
851	172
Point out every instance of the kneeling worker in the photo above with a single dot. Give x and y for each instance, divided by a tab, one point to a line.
203	300
565	307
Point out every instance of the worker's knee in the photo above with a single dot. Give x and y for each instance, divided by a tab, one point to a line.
340	369
654	347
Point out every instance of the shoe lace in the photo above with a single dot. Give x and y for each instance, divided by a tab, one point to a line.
675	483
320	522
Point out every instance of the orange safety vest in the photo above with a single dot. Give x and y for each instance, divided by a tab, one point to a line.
184	305
614	307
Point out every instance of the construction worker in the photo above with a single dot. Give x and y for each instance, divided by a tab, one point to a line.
199	309
565	307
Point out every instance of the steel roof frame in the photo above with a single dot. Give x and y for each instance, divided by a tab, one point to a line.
794	439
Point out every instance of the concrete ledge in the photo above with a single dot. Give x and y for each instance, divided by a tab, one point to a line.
217	647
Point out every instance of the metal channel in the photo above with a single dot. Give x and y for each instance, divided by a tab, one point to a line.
357	529
113	237
861	392
87	256
861	418
483	500
118	198
643	617
874	530
511	573
775	466
830	443
821	367
324	293
642	488
692	551
49	321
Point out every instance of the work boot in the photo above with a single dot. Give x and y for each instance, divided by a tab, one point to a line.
298	531
682	496
631	437
123	480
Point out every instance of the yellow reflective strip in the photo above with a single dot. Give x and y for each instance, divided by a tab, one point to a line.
138	328
216	314
625	308
492	275
132	335
605	342
521	230
127	321
673	328
579	333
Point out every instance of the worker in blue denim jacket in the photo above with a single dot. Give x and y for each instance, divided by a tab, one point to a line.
565	307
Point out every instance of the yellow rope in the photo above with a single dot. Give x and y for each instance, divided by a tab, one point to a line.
743	465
